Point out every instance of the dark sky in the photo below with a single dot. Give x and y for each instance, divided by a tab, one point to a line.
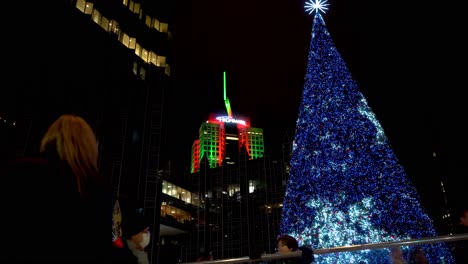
408	60
402	57
263	47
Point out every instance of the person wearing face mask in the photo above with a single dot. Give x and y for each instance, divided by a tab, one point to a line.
136	235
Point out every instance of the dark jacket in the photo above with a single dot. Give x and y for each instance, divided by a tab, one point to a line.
123	254
307	257
45	219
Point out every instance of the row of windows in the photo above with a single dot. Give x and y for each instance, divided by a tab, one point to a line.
135	7
180	216
255	142
256	147
179	193
252	137
254	133
111	25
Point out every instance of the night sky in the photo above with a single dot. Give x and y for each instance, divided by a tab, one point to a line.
404	60
409	62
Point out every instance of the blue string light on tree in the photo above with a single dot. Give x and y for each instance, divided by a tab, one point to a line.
346	186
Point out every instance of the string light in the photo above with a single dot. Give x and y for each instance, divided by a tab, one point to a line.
316	5
346	186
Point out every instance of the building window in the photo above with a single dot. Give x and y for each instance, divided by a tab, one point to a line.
156	24
135	68
114	26
144	55
125	40
161	61
148	21
132	43
142	73
84	7
136	8
138	50
96	16
153	57
233	188
163	27
105	23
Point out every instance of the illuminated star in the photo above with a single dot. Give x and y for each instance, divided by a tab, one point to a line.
315	5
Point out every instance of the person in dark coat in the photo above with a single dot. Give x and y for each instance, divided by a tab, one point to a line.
287	243
136	233
57	208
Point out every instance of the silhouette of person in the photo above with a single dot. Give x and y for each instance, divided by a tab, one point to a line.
57	201
287	243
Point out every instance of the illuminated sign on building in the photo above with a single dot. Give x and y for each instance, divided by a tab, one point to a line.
228	119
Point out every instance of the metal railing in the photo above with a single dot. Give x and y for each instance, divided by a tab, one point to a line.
407	242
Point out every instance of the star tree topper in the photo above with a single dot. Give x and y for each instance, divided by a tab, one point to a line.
316	5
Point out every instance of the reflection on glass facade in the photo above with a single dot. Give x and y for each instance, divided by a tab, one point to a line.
180	193
176	213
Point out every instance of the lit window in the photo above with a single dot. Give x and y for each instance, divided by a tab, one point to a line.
114	26
125	40
96	16
88	8
161	61
81	5
148	21
135	68
163	27
105	24
156	24
138	50
153	57
251	186
142	73
136	8
144	55
132	43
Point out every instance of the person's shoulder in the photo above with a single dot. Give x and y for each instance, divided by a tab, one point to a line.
123	255
307	255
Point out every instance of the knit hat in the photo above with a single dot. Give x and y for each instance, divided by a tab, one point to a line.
133	223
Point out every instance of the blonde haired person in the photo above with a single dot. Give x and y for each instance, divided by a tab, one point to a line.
57	208
73	140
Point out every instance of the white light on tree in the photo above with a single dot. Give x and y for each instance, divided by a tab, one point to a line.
314	5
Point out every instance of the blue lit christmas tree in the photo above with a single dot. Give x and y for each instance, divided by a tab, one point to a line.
346	186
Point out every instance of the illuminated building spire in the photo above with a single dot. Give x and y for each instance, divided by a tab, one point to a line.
226	100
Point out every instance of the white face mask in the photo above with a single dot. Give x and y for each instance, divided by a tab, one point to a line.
145	241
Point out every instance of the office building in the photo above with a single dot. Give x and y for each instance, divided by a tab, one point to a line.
234	192
109	62
221	138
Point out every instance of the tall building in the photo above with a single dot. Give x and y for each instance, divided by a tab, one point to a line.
222	136
230	203
228	211
109	62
